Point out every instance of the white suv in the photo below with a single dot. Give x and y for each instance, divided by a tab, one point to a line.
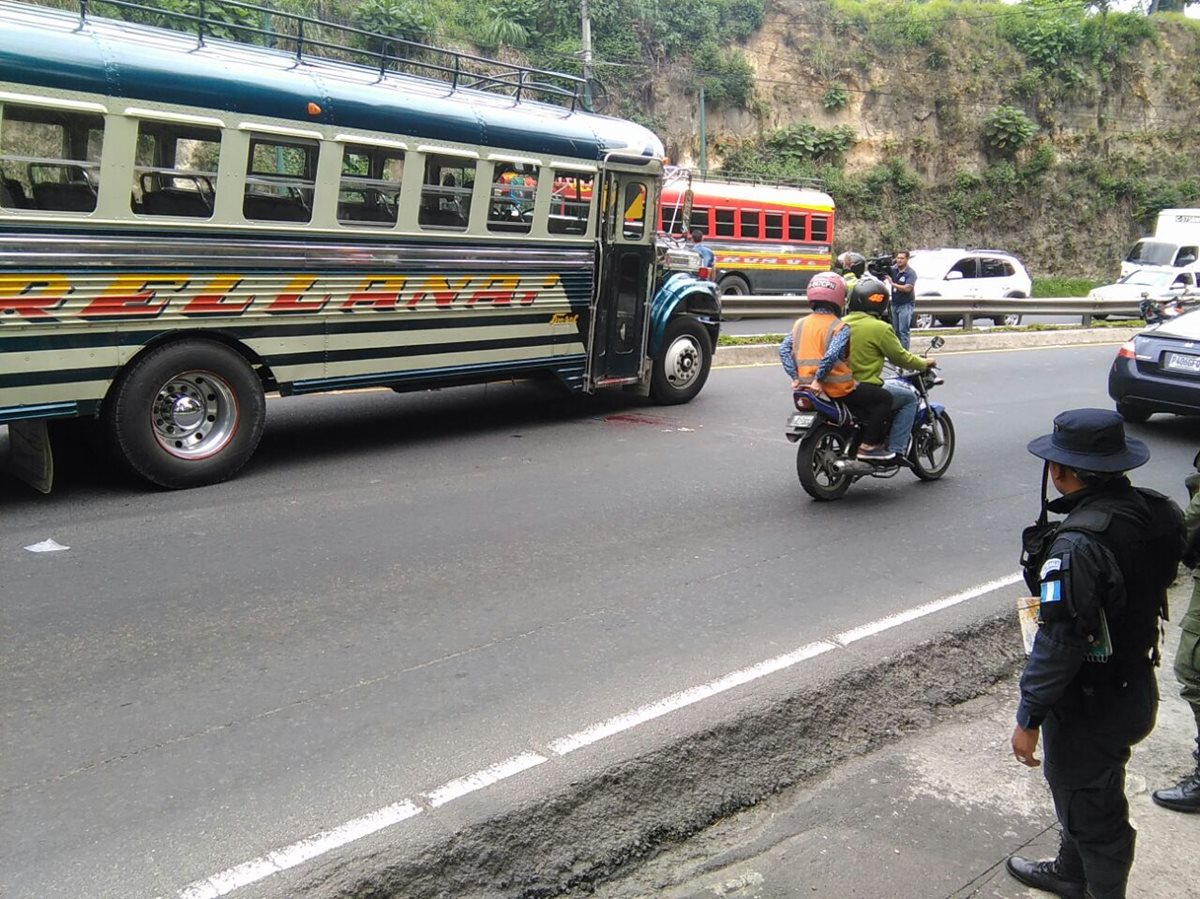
968	275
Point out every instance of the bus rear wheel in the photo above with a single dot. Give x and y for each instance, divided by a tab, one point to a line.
682	364
186	414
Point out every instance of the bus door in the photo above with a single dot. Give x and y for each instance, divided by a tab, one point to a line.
620	320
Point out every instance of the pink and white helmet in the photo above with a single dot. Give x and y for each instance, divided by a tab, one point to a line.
827	287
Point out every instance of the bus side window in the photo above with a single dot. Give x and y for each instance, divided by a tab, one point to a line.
820	229
774	221
369	193
570	203
446	193
175	170
725	218
510	206
49	159
750	223
634	227
700	218
280	175
797	226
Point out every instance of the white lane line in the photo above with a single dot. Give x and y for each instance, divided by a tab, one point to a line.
883	624
281	859
484	777
653	710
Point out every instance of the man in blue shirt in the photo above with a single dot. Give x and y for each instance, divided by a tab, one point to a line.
903	282
708	258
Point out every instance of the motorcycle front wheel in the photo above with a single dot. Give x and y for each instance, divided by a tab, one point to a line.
933	449
815	463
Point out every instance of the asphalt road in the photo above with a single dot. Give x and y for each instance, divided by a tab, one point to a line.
402	589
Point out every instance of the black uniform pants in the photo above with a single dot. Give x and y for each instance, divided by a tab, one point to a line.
1086	743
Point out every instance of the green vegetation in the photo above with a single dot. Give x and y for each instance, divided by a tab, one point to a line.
1063	287
835	98
1008	130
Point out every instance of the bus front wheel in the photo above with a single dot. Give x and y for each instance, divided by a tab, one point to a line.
682	364
186	414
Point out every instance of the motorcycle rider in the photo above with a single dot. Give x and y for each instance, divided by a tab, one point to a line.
872	340
851	266
815	354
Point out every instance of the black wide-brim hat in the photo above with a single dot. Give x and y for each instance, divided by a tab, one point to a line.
1091	440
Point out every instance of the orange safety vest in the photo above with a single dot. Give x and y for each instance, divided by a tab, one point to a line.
810	339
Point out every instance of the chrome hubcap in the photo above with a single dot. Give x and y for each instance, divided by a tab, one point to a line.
682	361
194	415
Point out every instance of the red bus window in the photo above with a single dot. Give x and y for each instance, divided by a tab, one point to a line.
750	225
672	218
820	228
797	227
724	223
700	218
774	225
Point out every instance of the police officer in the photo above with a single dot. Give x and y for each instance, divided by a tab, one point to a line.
1089	684
1185	795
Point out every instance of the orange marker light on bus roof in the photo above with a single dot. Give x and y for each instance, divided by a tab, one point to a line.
313	108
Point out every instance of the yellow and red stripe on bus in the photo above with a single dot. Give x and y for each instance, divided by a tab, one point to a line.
41	298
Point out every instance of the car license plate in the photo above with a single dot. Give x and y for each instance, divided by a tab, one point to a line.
1182	362
802	420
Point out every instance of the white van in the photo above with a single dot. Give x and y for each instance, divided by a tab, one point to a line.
1176	242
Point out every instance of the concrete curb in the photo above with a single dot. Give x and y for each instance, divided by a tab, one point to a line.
615	806
768	354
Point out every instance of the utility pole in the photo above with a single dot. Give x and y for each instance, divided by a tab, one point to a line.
587	52
703	137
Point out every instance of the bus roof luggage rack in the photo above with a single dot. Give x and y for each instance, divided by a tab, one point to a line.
309	37
735	178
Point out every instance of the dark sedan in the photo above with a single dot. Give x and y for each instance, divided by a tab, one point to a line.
1159	370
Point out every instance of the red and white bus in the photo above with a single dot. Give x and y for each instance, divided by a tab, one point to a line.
767	238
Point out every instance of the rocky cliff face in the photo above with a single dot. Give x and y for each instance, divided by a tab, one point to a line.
1124	131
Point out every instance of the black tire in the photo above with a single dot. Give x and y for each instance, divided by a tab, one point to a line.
683	362
186	414
933	450
814	463
733	286
950	321
1134	414
1012	319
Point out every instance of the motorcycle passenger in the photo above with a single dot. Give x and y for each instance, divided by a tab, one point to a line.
851	266
815	354
872	340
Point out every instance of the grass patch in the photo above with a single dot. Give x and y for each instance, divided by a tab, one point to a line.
1063	287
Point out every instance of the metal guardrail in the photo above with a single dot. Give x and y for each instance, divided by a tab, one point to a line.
795	305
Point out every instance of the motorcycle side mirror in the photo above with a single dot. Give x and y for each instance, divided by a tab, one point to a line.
937	343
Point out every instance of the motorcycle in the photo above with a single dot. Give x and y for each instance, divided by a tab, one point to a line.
828	438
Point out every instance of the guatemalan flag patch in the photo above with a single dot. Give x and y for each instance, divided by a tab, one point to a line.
1051	589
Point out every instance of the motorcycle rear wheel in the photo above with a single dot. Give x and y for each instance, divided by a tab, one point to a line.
815	460
933	450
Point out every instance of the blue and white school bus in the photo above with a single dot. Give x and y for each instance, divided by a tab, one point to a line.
188	223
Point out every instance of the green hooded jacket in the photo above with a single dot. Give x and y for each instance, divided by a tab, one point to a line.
872	341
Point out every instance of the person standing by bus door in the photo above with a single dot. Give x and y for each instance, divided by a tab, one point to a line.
708	259
1185	795
903	282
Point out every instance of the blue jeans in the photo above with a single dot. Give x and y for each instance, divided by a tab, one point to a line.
904	411
902	321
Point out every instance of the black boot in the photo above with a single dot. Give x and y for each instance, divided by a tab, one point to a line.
1185	795
1045	876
